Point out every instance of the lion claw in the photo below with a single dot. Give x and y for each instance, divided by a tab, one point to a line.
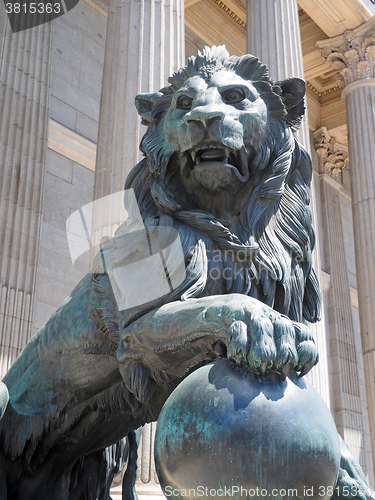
263	369
285	370
306	368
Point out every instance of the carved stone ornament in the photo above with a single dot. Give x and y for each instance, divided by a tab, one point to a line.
333	156
352	54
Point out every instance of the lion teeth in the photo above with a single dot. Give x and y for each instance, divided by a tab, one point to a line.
244	169
183	160
193	155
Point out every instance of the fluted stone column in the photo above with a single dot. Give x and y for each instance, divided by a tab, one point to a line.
349	409
273	35
24	110
145	44
353	54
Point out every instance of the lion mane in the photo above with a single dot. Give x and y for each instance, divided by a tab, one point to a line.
267	249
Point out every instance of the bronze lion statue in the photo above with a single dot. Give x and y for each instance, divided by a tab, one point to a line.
223	170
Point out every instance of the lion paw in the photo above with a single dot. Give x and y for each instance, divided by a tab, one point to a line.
265	340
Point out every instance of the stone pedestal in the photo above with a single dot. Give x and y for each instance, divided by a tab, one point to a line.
353	54
273	35
24	110
145	45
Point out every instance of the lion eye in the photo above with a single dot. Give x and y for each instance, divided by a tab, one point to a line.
184	102
233	95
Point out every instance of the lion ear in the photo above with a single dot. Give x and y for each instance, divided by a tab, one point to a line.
144	104
293	91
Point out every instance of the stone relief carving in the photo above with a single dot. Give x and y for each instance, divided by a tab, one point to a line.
333	156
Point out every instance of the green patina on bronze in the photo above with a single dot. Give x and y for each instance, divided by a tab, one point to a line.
222	168
227	429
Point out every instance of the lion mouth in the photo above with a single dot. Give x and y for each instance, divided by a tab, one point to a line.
216	159
216	155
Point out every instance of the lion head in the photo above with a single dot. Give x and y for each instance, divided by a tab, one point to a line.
222	166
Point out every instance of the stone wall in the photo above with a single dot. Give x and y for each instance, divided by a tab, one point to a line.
77	67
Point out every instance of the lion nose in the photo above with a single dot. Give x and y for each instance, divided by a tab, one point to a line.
204	116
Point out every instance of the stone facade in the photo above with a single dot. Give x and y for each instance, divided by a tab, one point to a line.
66	87
353	55
77	60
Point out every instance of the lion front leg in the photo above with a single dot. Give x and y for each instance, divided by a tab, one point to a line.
174	338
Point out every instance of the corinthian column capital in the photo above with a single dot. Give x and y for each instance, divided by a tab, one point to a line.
352	54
